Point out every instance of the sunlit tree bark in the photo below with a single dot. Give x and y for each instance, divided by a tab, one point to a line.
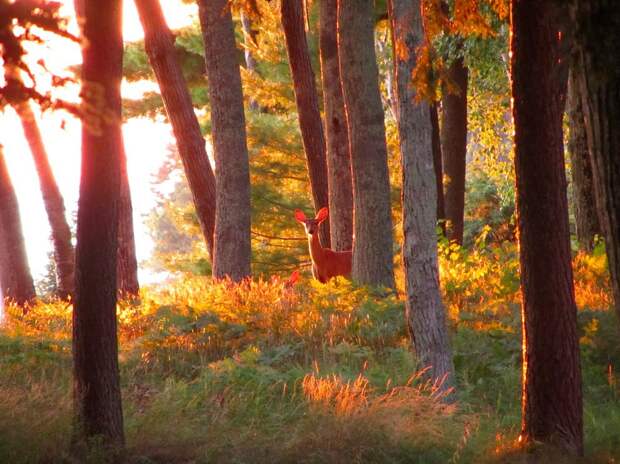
438	164
231	256
249	37
127	266
552	398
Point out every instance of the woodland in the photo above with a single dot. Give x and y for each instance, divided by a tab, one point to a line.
389	232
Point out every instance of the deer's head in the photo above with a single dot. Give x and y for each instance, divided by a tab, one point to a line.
311	224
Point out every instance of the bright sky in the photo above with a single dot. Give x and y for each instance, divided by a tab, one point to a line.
146	143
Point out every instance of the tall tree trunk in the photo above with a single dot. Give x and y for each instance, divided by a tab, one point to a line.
426	314
97	395
598	39
338	157
372	247
438	164
232	251
586	214
64	253
307	106
127	265
159	44
454	149
249	37
552	399
15	278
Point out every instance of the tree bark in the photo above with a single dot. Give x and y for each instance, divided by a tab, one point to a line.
232	251
372	246
552	398
64	253
338	156
307	107
15	278
585	201
454	149
159	44
249	36
438	164
127	266
426	314
97	395
597	40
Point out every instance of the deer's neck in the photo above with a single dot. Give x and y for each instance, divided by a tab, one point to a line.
316	250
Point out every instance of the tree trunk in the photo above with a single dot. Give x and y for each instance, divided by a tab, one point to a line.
159	44
598	38
552	399
64	253
232	252
438	164
127	266
372	247
97	395
15	277
426	314
454	149
338	157
249	36
586	214
307	106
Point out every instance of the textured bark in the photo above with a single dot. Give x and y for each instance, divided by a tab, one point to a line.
338	157
584	199
438	164
249	36
64	253
15	278
159	44
372	246
127	265
307	106
552	398
97	395
426	314
598	39
454	149
231	257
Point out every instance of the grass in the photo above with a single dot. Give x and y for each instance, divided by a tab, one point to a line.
263	373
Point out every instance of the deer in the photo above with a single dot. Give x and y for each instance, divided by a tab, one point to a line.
326	263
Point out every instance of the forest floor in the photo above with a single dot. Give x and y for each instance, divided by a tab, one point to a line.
314	373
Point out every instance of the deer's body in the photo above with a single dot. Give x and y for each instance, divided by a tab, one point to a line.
326	263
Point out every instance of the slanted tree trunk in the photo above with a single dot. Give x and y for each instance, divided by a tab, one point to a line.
15	278
338	157
127	266
249	37
159	44
64	253
552	399
97	395
231	257
586	214
454	149
307	106
598	77
426	314
438	164
372	247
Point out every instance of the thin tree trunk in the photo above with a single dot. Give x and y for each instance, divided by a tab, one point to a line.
127	266
438	164
159	44
97	395
307	106
586	214
598	26
249	36
372	247
426	314
338	157
15	278
552	399
454	149
64	253
232	251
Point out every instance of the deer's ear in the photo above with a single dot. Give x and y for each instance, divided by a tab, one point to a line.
322	214
299	215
